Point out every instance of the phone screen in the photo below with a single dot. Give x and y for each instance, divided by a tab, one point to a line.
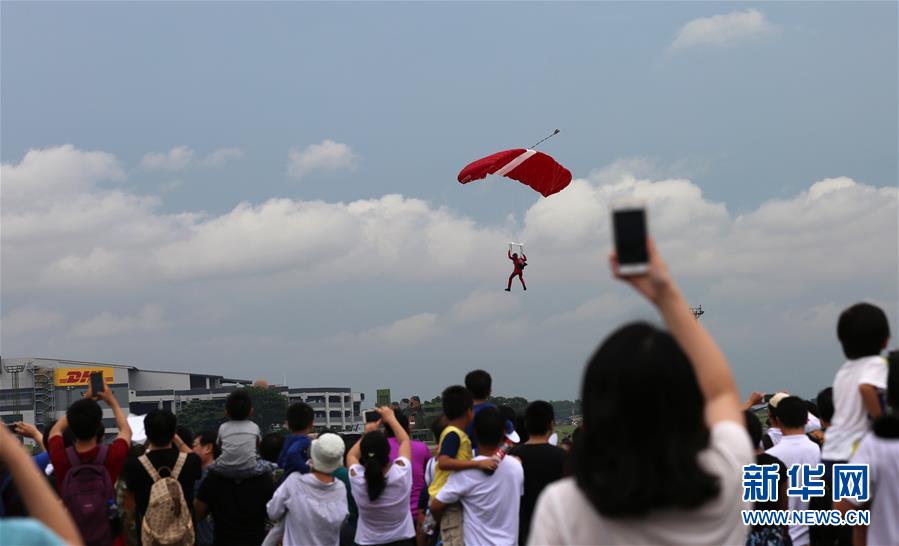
372	416
97	383
630	236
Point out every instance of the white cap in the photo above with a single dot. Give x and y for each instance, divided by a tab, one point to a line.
327	453
775	400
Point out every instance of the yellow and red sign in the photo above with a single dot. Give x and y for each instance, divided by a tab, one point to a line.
76	377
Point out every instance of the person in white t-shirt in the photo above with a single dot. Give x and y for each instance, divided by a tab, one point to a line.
880	451
661	456
863	331
489	501
380	488
795	448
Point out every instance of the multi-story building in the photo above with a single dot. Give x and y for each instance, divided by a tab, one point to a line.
38	390
334	407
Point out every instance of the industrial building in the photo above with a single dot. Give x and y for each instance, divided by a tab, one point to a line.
38	390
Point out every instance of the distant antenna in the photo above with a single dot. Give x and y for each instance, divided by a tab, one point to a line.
697	311
556	132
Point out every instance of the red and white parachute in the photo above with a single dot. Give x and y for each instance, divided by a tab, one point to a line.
535	169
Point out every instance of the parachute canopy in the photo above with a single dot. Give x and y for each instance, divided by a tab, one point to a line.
530	167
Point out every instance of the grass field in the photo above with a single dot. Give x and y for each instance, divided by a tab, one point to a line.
565	430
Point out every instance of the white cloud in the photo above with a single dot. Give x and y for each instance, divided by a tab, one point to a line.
323	157
483	305
53	175
28	319
149	319
278	271
176	159
183	157
408	331
170	186
723	30
219	157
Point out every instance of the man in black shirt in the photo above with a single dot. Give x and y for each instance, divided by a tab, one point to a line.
237	508
163	448
543	463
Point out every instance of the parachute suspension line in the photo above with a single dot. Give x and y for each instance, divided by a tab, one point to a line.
554	133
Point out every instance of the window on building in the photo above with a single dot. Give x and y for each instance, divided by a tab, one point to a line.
197	381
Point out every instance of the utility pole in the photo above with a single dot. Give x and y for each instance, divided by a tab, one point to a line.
697	311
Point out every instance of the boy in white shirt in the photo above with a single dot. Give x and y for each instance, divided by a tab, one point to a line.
863	331
795	448
489	501
880	451
239	439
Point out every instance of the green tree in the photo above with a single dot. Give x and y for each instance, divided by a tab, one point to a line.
269	408
517	403
202	415
566	408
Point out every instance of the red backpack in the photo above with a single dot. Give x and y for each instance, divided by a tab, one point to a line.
86	492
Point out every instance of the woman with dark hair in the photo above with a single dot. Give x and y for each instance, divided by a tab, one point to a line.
380	487
420	457
661	454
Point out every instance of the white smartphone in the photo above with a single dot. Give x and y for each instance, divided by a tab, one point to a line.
629	226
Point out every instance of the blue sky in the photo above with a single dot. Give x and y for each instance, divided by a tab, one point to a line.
758	110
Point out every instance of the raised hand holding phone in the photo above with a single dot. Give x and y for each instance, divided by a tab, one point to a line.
97	383
654	283
629	227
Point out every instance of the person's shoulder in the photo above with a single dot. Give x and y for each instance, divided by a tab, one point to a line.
56	443
453	435
262	482
561	492
766	458
193	462
212	482
513	462
118	450
729	446
357	473
730	433
132	466
248	424
401	465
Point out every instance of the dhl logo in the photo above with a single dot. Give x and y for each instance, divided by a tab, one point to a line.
70	377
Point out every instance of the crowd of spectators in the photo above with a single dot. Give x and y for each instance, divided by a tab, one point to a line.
659	459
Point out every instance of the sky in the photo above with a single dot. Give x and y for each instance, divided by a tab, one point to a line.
267	190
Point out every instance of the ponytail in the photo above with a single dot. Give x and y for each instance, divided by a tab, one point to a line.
375	456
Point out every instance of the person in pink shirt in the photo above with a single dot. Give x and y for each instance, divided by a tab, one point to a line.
420	456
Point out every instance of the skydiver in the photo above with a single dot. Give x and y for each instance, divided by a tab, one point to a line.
519	263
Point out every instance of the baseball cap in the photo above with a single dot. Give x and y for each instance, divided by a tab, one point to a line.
776	398
327	453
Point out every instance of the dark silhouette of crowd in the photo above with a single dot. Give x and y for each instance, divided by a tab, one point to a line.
659	459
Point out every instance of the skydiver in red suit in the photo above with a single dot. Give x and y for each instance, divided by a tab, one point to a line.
519	268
